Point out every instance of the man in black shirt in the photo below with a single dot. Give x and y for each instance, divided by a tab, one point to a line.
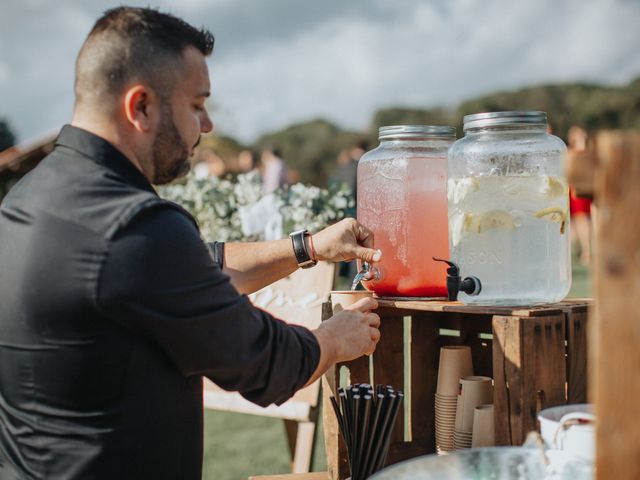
112	308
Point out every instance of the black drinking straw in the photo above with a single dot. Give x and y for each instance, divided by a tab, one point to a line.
357	426
372	433
346	421
385	416
366	420
394	414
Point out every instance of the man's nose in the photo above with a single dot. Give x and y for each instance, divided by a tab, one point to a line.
207	124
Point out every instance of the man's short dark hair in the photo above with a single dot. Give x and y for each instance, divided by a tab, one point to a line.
134	45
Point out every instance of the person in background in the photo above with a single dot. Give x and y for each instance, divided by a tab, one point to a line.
347	174
210	164
580	208
347	171
247	161
274	170
112	307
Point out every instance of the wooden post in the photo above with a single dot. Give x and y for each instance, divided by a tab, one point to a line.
616	355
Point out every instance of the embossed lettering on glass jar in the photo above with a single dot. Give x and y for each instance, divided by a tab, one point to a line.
509	209
402	199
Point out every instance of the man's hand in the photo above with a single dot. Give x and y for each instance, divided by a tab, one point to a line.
345	241
349	334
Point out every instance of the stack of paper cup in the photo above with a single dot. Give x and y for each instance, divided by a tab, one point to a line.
474	391
455	362
483	427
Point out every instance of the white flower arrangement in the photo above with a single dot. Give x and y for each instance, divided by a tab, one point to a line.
229	211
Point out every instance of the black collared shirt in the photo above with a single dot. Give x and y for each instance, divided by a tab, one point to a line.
111	310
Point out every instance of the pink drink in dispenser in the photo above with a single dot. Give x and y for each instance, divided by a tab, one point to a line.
402	198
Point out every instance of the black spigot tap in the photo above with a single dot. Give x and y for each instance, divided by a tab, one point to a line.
470	285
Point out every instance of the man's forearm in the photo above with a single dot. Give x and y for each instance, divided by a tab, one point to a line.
253	266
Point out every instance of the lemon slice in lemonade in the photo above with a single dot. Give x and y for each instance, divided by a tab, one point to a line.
491	220
554	187
554	214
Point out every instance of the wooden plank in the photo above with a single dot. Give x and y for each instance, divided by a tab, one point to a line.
617	309
304	447
529	372
577	357
337	463
546	351
425	355
445	306
388	363
507	354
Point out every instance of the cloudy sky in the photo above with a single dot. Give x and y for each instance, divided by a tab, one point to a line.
277	62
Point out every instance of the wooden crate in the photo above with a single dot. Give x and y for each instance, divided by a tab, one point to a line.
536	356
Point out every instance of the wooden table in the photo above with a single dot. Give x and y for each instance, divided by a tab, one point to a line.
536	356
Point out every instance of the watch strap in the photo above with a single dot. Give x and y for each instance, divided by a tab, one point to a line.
300	249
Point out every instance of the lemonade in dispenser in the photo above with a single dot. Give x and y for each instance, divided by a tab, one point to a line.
509	209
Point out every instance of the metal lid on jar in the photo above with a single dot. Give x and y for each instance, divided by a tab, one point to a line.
499	119
415	131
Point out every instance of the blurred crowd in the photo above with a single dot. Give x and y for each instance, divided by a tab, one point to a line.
268	162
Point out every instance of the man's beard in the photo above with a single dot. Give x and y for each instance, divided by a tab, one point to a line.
170	152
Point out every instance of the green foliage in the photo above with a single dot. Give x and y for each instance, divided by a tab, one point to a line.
7	138
311	148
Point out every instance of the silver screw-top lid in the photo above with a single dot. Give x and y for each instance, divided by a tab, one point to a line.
494	119
415	131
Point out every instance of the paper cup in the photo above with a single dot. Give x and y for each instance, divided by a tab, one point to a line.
474	391
455	362
483	427
346	298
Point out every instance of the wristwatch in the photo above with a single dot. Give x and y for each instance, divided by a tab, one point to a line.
300	249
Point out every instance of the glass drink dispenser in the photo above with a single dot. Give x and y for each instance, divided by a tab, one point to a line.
509	209
402	199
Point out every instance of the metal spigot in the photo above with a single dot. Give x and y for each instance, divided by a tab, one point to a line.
365	274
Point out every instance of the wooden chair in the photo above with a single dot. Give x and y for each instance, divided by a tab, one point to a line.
297	299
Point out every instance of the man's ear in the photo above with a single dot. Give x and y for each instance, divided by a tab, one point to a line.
141	107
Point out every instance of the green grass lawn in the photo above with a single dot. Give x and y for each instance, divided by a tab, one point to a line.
237	445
